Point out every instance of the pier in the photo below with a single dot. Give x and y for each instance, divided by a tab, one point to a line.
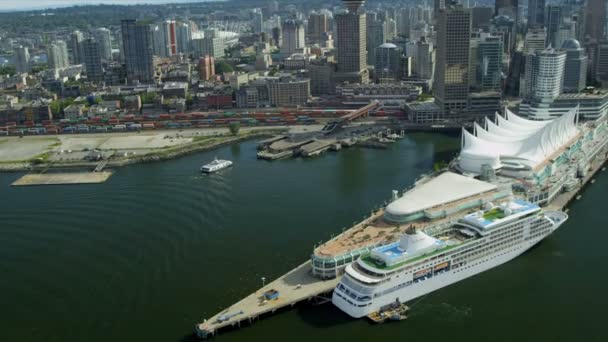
63	178
300	284
295	286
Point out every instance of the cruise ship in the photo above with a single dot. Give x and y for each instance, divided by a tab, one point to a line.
216	165
422	262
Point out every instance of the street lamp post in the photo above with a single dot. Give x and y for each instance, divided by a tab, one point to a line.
263	281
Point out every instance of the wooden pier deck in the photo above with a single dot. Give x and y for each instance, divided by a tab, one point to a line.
63	178
295	286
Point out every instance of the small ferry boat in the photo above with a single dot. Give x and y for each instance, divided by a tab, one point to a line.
216	165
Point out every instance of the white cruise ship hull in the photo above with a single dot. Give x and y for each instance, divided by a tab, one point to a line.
435	282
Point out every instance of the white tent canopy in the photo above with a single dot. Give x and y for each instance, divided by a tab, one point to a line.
515	138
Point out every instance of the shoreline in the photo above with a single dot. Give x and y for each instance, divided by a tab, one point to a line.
163	154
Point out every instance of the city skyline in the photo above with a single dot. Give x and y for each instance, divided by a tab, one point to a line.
28	5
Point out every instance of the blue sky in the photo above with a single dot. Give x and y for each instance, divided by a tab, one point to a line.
23	5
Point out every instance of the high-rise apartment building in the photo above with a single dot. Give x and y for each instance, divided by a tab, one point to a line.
257	20
104	37
138	51
452	68
351	45
92	60
58	55
575	72
21	59
75	47
293	36
184	37
536	13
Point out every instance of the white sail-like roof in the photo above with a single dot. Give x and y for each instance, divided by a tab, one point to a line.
512	137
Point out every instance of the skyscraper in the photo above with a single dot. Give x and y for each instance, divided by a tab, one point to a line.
257	19
318	26
452	67
595	19
351	45
92	60
575	72
138	51
402	17
184	37
104	37
22	59
75	47
553	22
489	67
58	55
536	13
424	59
375	35
438	5
293	36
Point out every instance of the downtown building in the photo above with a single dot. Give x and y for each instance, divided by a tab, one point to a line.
294	39
138	51
92	58
451	83
388	64
104	37
318	27
58	55
351	44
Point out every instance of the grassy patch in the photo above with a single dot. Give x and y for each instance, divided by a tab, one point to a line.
494	214
3	141
199	138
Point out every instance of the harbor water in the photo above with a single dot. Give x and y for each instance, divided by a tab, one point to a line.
160	247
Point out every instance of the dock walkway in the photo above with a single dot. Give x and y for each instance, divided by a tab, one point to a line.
295	286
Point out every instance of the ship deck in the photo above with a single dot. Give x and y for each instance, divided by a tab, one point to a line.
376	230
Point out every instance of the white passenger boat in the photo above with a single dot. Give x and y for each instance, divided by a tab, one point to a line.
216	165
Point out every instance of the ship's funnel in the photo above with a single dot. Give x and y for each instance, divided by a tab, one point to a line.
353	5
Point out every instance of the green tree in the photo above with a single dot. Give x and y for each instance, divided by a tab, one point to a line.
7	70
235	127
222	67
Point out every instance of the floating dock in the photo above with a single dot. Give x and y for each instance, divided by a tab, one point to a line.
296	286
317	147
63	178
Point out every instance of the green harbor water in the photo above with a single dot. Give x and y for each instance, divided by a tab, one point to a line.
160	247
